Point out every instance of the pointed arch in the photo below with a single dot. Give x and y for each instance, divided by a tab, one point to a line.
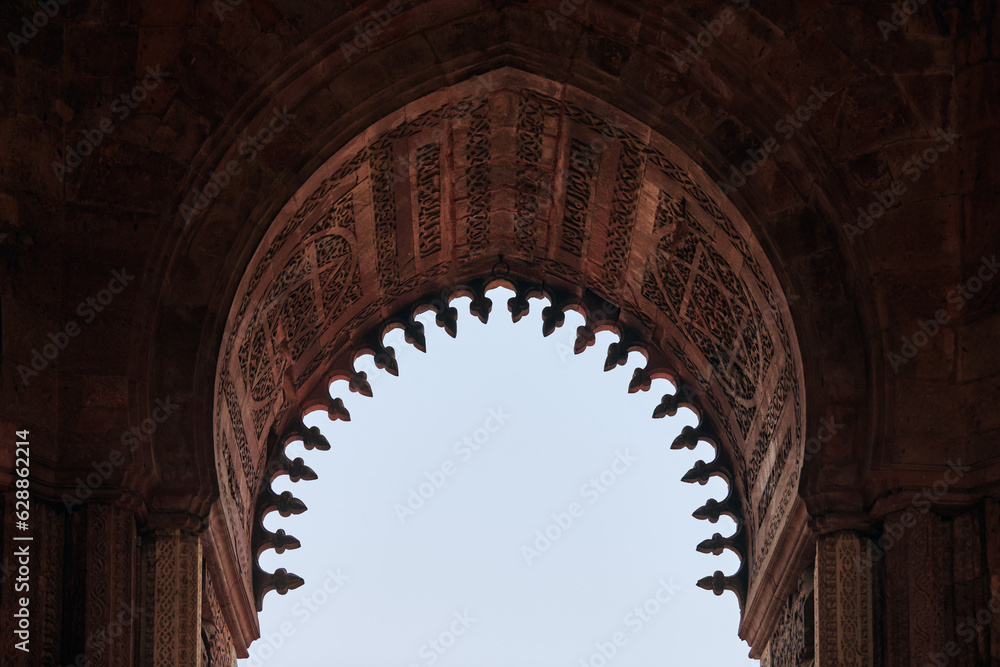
574	201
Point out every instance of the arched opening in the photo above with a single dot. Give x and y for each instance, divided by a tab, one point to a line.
523	490
510	178
171	528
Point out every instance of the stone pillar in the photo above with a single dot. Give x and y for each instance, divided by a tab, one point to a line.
171	599
845	601
942	585
80	583
112	615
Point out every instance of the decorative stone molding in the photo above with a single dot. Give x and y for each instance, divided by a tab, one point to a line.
171	599
216	637
845	601
112	611
792	643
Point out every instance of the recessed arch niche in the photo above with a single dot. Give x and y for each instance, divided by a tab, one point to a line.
512	178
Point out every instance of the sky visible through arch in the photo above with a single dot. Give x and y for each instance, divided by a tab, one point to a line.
502	502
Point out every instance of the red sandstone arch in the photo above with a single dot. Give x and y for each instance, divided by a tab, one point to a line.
204	292
281	343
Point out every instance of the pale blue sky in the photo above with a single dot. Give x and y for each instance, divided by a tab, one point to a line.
450	584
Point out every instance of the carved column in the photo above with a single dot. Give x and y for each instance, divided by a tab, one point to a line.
942	598
112	615
845	601
171	599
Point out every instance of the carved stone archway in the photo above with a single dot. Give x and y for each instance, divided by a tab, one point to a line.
162	534
578	202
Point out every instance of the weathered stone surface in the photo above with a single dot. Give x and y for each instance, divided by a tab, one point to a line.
849	299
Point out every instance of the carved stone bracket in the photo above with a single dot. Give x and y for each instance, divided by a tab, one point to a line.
731	505
285	503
